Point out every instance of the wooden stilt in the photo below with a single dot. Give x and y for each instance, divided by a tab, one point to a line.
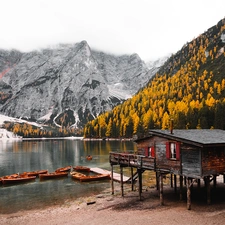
171	180
132	180
112	183
192	184
199	183
161	190
214	181
188	193
208	190
224	178
181	188
185	181
205	181
121	180
157	180
140	182
175	183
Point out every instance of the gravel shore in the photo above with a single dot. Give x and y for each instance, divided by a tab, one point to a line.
115	210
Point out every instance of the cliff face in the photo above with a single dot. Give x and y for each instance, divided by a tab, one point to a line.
43	84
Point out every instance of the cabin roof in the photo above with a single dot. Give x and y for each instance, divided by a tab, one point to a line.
198	137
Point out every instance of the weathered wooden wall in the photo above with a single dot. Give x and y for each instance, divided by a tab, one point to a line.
162	163
191	161
213	161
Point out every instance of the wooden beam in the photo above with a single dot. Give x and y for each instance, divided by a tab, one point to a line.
121	180
214	181
112	183
171	180
161	190
175	183
157	180
140	182
199	183
208	190
188	181
181	187
132	180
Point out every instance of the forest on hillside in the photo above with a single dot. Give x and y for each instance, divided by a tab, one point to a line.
188	89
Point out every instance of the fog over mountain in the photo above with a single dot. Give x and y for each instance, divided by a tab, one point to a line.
70	78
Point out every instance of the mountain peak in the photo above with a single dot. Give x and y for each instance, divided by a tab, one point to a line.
71	79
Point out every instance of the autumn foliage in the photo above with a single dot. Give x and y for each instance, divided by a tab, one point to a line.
189	88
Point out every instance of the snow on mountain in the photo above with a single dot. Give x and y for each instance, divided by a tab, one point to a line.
117	90
4	118
156	64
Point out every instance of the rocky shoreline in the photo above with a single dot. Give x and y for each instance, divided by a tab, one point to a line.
115	209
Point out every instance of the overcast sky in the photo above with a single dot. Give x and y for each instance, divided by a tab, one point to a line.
150	28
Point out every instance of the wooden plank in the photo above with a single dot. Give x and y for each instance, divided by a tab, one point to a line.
116	176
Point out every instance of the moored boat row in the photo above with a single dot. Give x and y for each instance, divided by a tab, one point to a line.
60	172
32	175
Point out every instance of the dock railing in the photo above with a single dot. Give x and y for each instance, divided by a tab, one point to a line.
132	160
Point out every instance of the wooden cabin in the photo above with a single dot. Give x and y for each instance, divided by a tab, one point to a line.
193	155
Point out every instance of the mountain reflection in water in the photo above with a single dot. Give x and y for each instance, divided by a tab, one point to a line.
30	155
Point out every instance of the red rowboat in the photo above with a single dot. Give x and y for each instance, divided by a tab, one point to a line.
53	175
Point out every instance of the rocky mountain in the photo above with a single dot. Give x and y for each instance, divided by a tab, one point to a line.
71	83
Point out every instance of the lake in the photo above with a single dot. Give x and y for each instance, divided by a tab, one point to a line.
30	155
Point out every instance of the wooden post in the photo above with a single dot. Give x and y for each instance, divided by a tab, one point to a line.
112	183
214	181
132	178
208	190
121	180
175	183
157	180
161	189
185	181
140	182
224	178
192	185
181	188
188	193
171	180
199	183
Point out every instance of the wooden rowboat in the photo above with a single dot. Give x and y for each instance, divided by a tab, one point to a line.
76	175
63	169
15	175
89	157
95	177
82	177
82	168
53	175
19	179
34	173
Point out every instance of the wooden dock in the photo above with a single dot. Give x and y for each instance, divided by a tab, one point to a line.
116	176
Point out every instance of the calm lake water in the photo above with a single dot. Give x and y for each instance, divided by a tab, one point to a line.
30	155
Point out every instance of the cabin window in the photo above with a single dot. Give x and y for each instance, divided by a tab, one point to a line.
173	150
151	151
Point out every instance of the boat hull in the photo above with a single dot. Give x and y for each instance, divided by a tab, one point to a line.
63	169
16	180
82	168
53	175
85	178
95	177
